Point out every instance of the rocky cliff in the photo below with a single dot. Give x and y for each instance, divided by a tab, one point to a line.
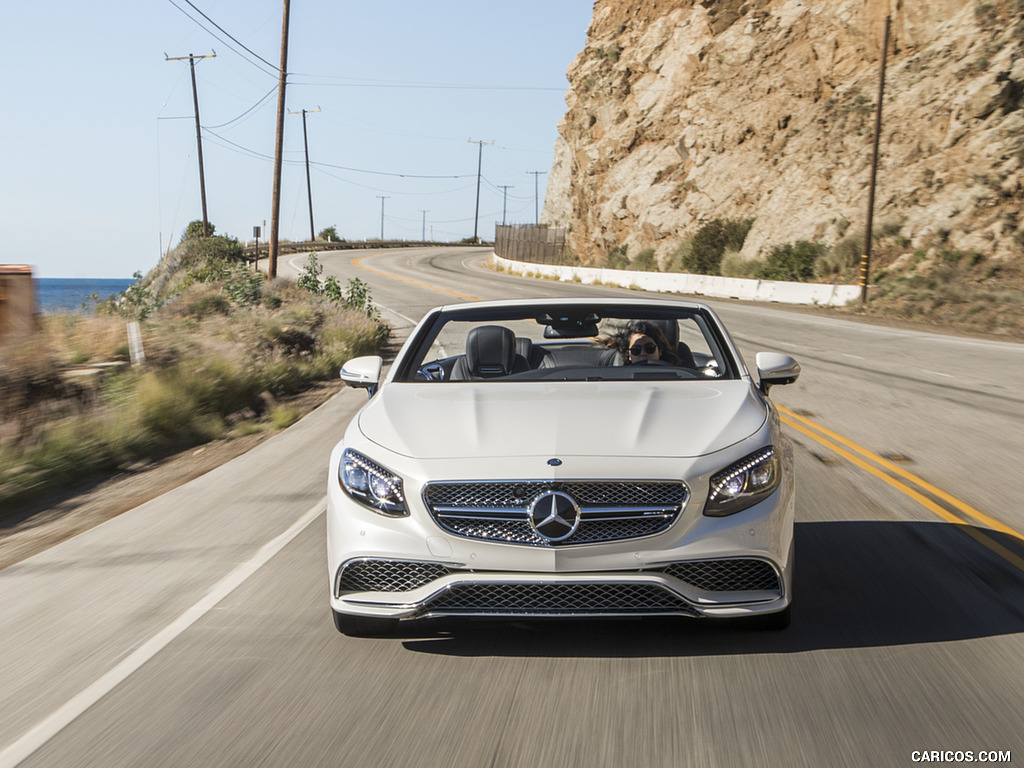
682	111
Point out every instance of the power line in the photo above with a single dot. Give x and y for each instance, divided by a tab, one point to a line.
321	165
255	106
274	69
370	83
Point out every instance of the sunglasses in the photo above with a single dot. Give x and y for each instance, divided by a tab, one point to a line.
647	348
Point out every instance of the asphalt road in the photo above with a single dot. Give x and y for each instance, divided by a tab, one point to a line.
195	629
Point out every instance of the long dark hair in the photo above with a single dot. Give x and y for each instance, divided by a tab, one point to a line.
620	340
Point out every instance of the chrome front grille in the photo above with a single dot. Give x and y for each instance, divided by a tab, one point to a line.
557	599
609	510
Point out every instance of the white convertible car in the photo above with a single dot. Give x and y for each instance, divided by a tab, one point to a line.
563	458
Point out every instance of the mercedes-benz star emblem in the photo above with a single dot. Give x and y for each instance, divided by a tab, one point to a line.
554	516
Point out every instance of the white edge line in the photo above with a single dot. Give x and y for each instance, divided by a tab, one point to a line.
50	726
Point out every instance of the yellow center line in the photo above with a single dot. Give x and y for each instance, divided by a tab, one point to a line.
355	262
967	509
790	419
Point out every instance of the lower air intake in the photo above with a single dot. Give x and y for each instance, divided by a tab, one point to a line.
558	599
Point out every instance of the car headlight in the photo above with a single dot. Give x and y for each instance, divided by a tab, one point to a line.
369	483
743	484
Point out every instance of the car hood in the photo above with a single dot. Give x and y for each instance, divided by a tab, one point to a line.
451	420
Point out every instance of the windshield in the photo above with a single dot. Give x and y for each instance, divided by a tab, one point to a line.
574	343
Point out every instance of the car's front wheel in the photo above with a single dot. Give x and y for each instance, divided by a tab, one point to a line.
363	626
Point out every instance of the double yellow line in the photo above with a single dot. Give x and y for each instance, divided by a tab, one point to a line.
955	511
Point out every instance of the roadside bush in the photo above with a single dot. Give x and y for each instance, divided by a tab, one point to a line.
309	278
203	303
206	258
244	287
734	265
792	261
840	258
702	254
194	230
645	261
617	258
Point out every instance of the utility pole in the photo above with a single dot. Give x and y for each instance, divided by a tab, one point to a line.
199	131
504	200
536	196
275	213
865	262
479	166
423	234
309	186
382	199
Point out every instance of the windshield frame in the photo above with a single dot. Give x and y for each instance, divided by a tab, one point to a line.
415	353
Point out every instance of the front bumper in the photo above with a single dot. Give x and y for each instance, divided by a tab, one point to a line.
408	568
411	589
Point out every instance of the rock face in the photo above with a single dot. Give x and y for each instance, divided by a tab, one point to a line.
682	111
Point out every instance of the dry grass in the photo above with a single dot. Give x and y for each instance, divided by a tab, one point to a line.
947	288
211	366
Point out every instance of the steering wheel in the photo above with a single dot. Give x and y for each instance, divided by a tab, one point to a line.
431	372
650	361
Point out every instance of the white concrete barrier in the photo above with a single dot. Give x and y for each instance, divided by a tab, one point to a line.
686	283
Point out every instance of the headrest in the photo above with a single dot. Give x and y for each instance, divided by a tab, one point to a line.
490	350
670	328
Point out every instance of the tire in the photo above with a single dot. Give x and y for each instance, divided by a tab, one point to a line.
362	626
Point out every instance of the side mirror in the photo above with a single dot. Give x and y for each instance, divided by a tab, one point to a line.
774	368
363	373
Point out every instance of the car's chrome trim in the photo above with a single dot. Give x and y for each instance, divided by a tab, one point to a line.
508	520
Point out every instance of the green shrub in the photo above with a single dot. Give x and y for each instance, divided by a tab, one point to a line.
137	301
792	261
841	257
283	416
734	265
244	287
646	261
702	254
194	230
618	258
207	258
309	278
205	304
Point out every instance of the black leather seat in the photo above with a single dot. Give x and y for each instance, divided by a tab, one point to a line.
671	330
490	353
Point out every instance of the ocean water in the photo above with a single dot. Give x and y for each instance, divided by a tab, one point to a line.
59	294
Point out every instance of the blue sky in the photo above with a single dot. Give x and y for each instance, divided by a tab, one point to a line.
100	174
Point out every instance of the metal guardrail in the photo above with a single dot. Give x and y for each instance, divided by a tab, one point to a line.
349	245
533	243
